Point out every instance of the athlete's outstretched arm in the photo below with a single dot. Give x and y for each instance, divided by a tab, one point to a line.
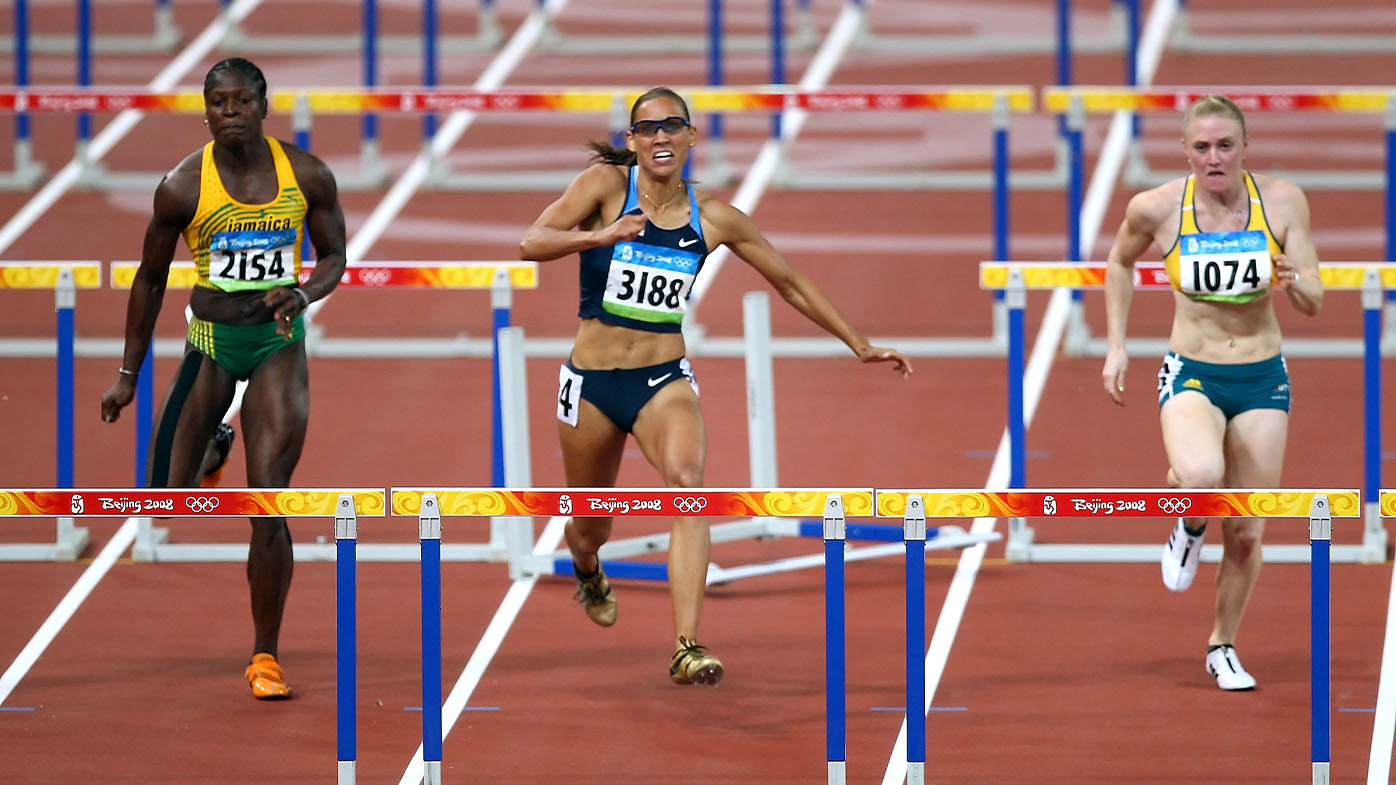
737	231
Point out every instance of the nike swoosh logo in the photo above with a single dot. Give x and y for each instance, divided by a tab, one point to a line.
653	382
686	243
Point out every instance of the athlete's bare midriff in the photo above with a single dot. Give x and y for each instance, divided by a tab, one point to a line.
602	346
1224	333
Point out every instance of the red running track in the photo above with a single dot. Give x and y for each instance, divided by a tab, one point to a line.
1059	673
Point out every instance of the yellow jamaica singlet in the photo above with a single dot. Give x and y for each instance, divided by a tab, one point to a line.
1229	267
239	246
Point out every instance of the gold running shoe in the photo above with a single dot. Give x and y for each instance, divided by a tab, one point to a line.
596	596
692	664
267	679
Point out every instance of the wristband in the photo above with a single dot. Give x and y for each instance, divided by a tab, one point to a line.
305	298
124	371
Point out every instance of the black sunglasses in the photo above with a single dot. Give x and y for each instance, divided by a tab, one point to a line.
670	125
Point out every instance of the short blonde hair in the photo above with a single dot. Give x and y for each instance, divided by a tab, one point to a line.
1213	105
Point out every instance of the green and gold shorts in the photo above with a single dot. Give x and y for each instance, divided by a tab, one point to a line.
240	348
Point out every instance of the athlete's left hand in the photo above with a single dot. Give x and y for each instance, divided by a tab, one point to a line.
879	354
1284	276
285	304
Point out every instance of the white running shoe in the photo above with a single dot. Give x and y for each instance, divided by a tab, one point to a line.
1225	666
1181	554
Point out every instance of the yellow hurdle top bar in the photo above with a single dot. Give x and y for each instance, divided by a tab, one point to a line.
1117	502
374	275
940	98
631	502
1250	99
187	502
44	275
1151	275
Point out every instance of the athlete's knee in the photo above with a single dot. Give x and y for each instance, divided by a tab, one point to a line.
270	532
1243	539
1198	474
684	475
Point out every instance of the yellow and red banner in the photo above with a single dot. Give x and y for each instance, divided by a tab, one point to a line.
1018	98
1116	503
1151	275
1078	275
633	502
377	275
182	502
1249	99
44	275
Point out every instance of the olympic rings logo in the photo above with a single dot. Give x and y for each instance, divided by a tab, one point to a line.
1174	506
202	503
374	276
690	504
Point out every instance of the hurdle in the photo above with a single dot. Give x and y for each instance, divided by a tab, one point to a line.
1015	278
163	37
1092	99
1309	42
1318	506
64	278
344	505
430	505
500	278
1121	28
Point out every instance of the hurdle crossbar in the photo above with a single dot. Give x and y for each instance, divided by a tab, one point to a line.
501	278
1372	279
1318	506
1000	102
344	505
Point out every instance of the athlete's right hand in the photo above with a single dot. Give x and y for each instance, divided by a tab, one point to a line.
1113	375
117	397
627	227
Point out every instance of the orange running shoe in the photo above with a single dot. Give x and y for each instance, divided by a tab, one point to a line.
266	677
222	444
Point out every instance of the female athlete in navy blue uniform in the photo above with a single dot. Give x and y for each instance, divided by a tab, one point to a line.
643	235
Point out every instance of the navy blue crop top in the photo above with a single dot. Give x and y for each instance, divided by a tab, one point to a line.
644	283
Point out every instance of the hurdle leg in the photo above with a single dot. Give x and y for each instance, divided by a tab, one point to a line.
346	532
1373	549
914	525
1320	690
835	697
429	530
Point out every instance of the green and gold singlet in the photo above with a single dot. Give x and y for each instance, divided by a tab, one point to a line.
239	246
1231	267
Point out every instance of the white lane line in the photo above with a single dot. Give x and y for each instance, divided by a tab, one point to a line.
66	608
1034	380
1384	724
489	645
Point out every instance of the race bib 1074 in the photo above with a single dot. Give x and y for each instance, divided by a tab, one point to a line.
1224	265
